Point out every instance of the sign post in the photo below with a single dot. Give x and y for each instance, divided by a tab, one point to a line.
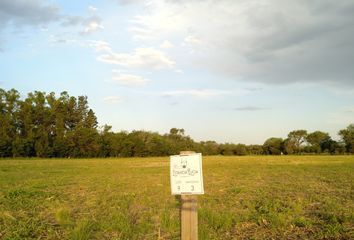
187	181
189	217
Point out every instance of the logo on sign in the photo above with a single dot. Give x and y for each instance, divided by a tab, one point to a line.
182	169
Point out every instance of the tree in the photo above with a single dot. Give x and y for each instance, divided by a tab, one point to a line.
5	125
106	141
177	131
209	148
316	139
41	123
273	146
294	141
255	149
347	136
82	135
177	141
226	149
332	147
61	123
240	150
44	125
25	142
9	123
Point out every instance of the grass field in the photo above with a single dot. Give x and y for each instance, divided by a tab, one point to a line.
265	197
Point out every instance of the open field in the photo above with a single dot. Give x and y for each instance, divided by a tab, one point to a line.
258	197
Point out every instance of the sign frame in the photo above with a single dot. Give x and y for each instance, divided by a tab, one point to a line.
182	178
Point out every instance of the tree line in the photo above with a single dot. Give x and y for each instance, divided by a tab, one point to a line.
46	125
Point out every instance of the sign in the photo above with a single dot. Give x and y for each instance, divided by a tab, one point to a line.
186	174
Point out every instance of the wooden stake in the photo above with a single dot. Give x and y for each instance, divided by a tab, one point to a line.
189	217
189	213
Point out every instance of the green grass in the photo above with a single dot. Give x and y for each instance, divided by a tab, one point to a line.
265	197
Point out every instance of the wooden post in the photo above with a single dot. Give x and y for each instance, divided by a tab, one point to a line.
189	217
189	214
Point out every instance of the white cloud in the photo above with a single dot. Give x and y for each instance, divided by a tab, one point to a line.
166	44
100	46
92	8
87	25
141	34
62	39
128	79
112	99
192	40
273	41
91	25
200	93
147	58
126	2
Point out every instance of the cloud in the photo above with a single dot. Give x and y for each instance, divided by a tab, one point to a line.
62	39
112	99
17	14
273	42
23	13
147	58
192	40
91	25
88	25
100	46
166	44
250	108
128	79
26	13
92	8
127	2
199	93
72	21
141	34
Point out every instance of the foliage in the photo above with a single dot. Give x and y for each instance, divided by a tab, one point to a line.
47	125
273	146
347	136
317	140
294	141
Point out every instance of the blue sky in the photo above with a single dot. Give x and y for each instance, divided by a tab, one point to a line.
227	70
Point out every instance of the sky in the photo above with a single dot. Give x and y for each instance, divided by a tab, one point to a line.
237	71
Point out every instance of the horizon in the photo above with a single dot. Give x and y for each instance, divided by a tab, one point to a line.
228	71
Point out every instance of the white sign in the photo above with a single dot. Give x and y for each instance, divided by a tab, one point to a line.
186	174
